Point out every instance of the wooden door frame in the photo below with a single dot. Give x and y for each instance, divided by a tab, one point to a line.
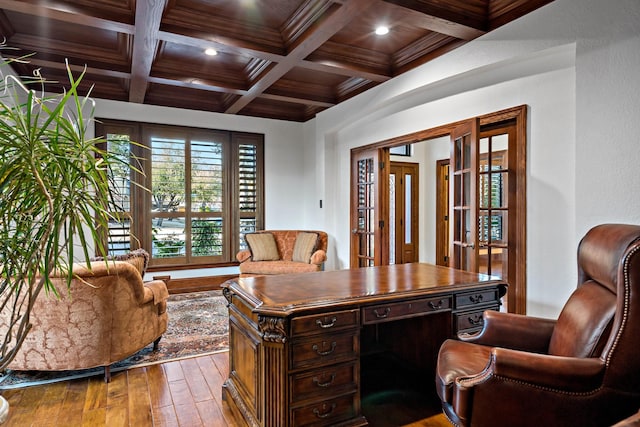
442	212
517	295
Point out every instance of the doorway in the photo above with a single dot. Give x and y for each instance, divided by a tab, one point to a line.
491	220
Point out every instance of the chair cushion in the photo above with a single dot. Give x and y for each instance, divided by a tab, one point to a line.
304	247
262	246
458	359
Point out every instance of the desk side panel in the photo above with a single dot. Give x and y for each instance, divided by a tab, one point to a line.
244	382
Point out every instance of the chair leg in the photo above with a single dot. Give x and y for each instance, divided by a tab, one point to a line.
156	342
107	374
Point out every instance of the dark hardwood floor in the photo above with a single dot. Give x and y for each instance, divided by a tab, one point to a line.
185	393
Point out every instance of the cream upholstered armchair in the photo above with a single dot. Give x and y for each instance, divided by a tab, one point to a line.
106	315
283	252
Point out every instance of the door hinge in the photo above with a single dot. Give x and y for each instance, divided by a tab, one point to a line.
446	217
381	164
446	177
381	223
446	259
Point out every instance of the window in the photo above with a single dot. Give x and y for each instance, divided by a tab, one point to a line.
189	194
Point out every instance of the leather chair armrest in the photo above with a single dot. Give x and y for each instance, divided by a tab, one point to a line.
554	376
318	257
514	331
565	374
243	255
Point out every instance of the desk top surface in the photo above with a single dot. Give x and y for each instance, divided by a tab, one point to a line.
285	295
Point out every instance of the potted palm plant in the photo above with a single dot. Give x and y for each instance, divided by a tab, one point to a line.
54	196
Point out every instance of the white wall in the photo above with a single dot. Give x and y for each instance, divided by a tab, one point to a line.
575	64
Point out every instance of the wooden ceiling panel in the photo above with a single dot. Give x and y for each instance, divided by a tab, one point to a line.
284	59
223	69
265	13
299	84
186	97
361	32
95	85
276	109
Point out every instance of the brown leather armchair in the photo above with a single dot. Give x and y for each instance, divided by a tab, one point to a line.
582	369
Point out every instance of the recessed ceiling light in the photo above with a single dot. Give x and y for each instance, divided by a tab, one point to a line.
211	52
382	30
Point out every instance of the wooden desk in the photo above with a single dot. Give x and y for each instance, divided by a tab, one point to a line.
295	341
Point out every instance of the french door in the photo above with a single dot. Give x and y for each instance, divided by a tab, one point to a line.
369	193
486	189
463	187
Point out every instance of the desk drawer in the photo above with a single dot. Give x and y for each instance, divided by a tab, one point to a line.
393	311
325	413
324	382
470	321
325	322
471	299
324	349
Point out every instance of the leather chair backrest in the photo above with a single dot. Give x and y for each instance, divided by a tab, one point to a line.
584	325
592	318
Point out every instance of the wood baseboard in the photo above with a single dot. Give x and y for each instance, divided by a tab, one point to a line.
194	284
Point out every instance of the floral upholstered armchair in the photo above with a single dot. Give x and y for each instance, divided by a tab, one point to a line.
106	315
282	252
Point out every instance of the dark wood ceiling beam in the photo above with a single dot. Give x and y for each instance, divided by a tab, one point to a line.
520	8
55	65
313	38
51	11
436	23
196	84
343	69
442	20
145	41
228	46
410	63
62	49
296	100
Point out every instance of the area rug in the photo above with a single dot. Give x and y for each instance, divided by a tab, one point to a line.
198	325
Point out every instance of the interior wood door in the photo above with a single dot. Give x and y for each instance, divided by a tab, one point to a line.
403	212
369	174
463	187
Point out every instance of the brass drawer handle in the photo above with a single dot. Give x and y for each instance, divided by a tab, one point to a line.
436	306
476	298
475	320
383	315
324	344
325	413
326	325
317	382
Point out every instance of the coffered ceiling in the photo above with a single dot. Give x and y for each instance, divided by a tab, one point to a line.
282	59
